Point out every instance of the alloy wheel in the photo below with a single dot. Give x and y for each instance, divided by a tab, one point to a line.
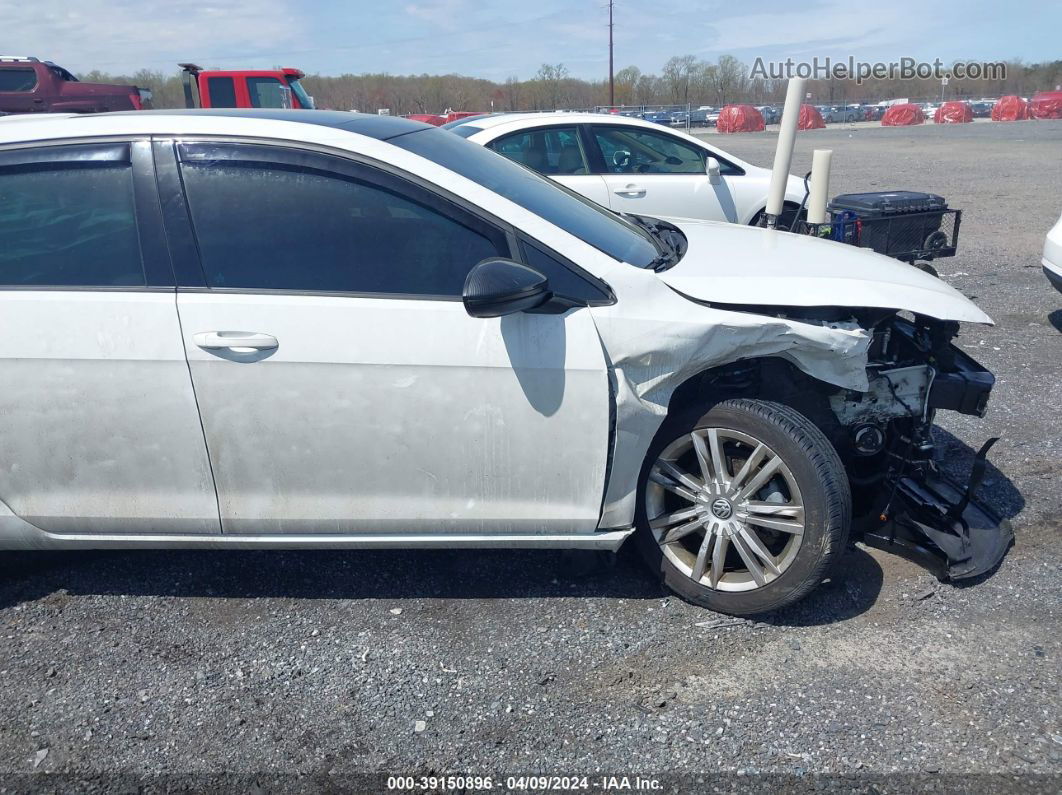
725	509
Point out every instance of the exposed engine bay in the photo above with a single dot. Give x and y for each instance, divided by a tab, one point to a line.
903	502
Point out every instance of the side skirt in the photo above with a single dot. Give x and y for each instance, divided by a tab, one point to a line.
21	535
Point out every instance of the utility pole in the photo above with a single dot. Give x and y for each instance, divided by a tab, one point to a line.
611	77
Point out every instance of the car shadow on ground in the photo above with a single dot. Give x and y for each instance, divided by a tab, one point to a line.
955	458
438	574
387	574
1055	319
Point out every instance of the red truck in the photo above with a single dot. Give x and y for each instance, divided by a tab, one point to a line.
244	88
433	119
30	85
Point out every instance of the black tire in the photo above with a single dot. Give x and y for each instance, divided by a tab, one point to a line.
823	483
785	220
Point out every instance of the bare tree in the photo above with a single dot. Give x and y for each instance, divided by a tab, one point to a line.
678	74
626	80
550	78
511	92
727	78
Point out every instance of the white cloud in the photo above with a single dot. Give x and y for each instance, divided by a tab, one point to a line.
796	30
121	35
443	13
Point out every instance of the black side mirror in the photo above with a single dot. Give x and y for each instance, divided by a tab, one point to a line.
497	287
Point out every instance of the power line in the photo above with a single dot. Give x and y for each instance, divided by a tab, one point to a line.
611	76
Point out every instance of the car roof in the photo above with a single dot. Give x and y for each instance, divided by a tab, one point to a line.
498	119
64	125
509	122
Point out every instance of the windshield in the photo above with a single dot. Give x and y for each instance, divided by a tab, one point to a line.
590	222
304	99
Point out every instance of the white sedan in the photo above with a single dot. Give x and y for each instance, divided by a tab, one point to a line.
229	328
632	166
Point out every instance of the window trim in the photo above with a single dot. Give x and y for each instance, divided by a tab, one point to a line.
289	154
35	154
185	251
131	150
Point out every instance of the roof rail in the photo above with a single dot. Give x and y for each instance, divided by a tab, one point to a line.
28	58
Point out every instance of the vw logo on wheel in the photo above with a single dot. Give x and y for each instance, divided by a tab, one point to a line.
722	508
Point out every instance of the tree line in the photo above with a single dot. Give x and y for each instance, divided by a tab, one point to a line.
683	80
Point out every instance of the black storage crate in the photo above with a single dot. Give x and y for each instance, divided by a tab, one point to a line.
905	225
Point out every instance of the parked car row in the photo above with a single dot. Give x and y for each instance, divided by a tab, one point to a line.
981	109
708	116
704	116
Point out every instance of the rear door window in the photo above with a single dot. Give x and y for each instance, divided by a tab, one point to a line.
17	79
69	224
222	92
556	151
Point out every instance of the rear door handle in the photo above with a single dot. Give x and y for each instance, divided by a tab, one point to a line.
630	190
238	341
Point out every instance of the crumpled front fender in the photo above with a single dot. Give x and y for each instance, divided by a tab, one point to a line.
656	339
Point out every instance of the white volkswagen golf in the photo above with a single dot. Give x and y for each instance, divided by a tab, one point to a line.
318	329
633	166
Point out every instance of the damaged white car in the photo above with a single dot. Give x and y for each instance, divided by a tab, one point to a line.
317	329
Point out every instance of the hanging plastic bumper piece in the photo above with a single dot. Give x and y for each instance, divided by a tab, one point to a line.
943	526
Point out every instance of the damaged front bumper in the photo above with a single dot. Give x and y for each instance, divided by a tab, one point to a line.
942	526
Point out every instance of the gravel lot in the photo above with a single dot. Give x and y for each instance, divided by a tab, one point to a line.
332	664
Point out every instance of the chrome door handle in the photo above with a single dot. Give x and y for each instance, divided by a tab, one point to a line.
238	341
630	190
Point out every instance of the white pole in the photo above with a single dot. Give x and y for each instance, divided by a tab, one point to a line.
783	154
819	188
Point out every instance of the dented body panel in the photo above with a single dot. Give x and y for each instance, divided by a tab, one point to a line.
730	264
656	340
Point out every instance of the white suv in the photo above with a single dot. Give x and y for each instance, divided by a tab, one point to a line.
319	329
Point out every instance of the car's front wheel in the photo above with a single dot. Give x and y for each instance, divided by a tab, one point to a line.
742	509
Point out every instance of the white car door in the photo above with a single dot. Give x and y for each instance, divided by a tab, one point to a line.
655	173
99	430
342	385
558	152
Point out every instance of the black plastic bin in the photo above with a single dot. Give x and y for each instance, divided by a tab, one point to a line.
906	225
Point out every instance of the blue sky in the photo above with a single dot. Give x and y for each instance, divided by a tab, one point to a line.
496	39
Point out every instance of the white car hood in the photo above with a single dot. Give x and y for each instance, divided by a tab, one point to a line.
732	264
